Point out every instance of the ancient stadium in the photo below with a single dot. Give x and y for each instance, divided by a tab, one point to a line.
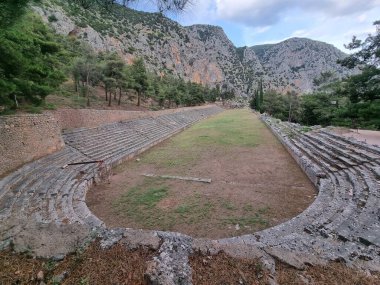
184	183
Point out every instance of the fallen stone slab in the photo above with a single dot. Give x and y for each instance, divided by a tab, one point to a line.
195	179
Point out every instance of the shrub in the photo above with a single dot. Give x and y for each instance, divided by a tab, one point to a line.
52	18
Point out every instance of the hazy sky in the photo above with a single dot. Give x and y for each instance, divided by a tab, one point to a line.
252	22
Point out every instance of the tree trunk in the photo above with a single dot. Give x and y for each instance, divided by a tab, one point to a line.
118	103
138	98
109	99
114	95
87	89
290	112
106	90
16	102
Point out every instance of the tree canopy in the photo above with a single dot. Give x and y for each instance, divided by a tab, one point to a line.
31	62
162	5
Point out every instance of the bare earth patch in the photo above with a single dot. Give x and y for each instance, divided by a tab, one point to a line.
370	137
255	182
116	265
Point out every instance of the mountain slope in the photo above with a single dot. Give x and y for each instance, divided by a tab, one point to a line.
294	63
200	53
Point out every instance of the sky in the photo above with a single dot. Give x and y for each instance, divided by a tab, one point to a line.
254	22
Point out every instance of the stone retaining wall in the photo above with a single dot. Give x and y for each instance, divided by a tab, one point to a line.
89	118
24	138
308	167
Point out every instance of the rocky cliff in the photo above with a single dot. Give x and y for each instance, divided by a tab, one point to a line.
200	53
294	63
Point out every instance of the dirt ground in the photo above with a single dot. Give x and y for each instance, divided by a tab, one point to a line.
370	137
66	97
93	265
254	185
117	265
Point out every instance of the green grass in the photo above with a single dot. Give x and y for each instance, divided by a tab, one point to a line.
194	210
228	205
232	128
140	205
252	219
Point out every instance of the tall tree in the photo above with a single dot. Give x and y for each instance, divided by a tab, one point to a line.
30	62
368	51
140	77
261	91
11	11
113	75
86	70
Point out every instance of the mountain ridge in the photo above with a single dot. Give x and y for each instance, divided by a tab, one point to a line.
199	53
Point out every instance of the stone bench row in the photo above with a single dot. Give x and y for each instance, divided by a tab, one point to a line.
345	213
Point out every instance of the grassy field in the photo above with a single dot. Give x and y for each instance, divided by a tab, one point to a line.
233	149
223	131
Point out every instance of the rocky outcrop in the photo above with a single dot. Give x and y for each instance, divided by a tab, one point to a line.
294	63
200	53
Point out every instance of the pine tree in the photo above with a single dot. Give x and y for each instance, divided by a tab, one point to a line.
257	100
140	77
261	92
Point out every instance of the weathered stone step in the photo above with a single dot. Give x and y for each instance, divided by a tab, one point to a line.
98	149
342	151
121	146
12	180
27	186
322	160
357	144
340	160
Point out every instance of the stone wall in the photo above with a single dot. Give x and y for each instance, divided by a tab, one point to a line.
88	118
24	138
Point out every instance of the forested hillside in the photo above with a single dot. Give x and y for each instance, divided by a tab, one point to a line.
353	101
35	62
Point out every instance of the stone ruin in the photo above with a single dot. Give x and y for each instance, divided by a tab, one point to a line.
43	208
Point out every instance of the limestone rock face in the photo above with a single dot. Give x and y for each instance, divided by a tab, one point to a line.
199	53
294	63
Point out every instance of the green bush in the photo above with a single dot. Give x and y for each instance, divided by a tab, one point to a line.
52	18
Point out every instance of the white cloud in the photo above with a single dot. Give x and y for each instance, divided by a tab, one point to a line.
260	30
262	13
362	18
300	33
199	12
